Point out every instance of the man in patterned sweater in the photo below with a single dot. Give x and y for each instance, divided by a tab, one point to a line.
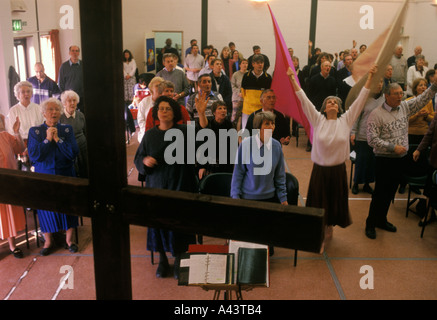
387	134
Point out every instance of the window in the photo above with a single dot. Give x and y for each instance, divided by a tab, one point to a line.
48	56
20	56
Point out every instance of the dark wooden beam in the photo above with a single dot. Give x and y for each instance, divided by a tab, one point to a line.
285	226
291	227
313	22
101	31
204	24
44	191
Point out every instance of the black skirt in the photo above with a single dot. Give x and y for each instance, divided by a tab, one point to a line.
328	189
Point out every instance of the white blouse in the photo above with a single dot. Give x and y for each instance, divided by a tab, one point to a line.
331	138
143	110
129	68
29	116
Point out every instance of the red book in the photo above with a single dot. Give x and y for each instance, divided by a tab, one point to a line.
208	248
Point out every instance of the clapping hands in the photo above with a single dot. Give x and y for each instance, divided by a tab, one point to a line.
52	134
16	126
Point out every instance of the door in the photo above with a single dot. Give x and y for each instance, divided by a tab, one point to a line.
165	40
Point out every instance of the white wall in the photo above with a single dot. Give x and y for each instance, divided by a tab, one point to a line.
6	54
67	37
141	17
425	32
338	23
49	18
249	23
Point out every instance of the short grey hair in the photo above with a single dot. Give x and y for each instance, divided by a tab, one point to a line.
167	55
21	84
390	86
420	56
164	85
265	92
45	103
339	103
262	116
69	94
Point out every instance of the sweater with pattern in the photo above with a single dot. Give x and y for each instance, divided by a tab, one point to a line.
386	129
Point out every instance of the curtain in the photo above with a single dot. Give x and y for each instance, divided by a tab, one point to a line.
56	50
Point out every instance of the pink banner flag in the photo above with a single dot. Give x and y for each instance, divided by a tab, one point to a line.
286	99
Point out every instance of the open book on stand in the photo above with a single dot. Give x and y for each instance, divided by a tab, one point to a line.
245	264
206	268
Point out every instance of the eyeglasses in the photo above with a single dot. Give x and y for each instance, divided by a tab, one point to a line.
162	109
399	93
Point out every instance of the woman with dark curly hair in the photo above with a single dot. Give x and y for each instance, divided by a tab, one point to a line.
153	162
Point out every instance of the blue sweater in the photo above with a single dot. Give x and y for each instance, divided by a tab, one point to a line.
45	90
259	174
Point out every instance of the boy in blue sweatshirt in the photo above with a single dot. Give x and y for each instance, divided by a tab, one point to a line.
259	171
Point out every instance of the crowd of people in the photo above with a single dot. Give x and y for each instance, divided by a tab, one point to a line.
45	132
222	90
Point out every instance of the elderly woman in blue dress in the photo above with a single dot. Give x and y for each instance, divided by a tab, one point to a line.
53	150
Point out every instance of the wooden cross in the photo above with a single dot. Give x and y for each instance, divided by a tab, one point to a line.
113	205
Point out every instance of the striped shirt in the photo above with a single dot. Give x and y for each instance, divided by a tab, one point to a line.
44	90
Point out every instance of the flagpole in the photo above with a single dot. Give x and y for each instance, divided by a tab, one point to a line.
313	23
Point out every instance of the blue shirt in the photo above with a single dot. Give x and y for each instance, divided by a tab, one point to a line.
44	90
259	171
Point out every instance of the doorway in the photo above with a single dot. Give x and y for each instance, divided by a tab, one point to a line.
176	38
21	58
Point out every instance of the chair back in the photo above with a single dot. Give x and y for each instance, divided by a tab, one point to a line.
417	168
292	188
216	184
147	77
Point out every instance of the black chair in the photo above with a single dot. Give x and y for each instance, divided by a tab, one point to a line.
215	184
432	202
142	179
415	175
27	228
147	77
299	126
292	185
